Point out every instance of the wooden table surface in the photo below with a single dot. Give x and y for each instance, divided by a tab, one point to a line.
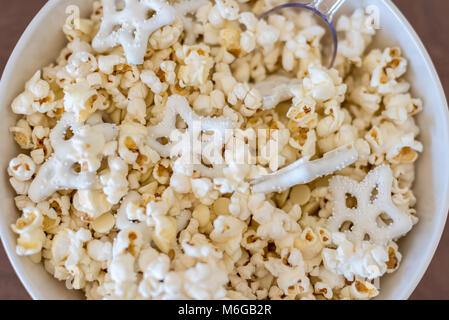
429	18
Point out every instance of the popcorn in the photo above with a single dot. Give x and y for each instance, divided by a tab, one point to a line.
133	148
166	36
67	252
303	112
291	278
108	63
248	41
22	168
168	67
234	179
91	202
99	250
303	43
394	257
397	145
273	223
29	229
281	23
266	35
37	97
196	245
161	172
133	185
358	35
81	64
366	98
230	39
22	134
196	67
127	211
122	268
165	232
180	183
238	206
137	110
386	72
153	82
309	244
114	180
229	9
60	204
227	233
203	190
332	122
130	240
81	100
203	281
360	290
20	187
363	259
323	84
253	243
138	91
400	107
155	267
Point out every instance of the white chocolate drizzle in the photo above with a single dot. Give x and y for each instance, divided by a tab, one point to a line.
179	146
57	173
134	26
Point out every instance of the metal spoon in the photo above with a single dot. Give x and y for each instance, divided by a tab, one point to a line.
325	9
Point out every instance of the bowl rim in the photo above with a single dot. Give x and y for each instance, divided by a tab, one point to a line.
435	238
7	73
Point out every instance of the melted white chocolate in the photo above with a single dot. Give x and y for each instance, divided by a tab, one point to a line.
135	28
57	173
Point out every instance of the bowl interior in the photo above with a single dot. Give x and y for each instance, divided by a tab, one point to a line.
431	187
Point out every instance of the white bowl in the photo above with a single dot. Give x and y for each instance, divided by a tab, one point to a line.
43	40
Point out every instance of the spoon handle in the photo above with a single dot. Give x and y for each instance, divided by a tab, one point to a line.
327	7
